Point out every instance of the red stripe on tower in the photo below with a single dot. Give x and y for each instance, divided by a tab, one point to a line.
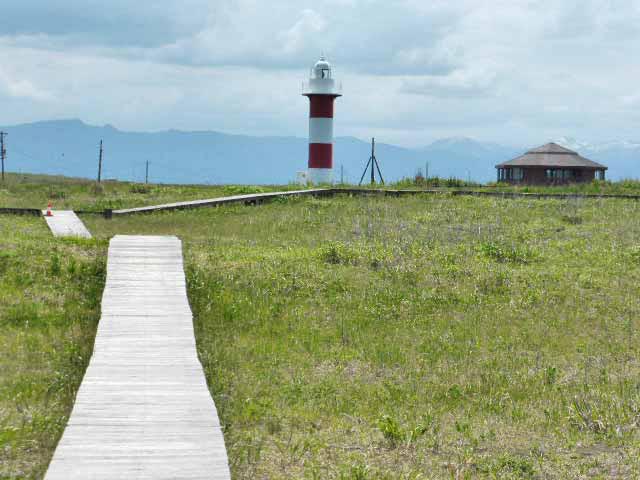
320	155
322	92
321	106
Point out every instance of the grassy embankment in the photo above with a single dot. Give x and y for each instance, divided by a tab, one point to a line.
423	337
362	338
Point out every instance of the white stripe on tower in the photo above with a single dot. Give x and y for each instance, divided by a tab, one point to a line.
320	130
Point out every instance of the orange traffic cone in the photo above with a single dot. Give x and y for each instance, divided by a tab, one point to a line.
49	212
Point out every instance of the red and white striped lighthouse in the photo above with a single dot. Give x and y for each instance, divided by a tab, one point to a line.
322	92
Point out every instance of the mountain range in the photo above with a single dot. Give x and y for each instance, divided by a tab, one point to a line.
70	147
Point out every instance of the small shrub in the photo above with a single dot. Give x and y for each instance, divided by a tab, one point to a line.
242	189
391	430
506	254
495	284
358	471
396	435
337	253
5	261
509	466
550	375
634	254
54	265
140	188
572	219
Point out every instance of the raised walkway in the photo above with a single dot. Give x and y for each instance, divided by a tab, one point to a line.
65	223
143	410
251	198
254	198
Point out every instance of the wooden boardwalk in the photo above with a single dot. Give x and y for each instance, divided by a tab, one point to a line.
143	410
250	198
254	198
65	223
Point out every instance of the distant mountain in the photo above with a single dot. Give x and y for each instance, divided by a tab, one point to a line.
70	147
466	158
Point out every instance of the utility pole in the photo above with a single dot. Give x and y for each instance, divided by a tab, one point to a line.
3	151
146	173
341	174
100	164
374	165
373	156
426	170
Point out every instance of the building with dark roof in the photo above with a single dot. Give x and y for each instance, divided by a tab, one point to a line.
550	164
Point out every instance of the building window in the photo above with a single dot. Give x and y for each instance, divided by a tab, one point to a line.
518	174
562	174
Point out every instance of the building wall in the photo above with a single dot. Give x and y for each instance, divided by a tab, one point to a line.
537	176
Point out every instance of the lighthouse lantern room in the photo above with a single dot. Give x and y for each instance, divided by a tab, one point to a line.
322	90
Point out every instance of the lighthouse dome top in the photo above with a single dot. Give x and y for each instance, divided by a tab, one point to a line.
321	81
322	68
322	63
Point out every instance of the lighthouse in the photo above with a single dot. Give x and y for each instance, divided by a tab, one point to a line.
322	90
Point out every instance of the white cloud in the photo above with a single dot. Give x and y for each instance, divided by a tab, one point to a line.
305	31
459	84
22	88
514	70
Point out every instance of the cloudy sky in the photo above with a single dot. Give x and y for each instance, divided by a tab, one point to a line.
510	71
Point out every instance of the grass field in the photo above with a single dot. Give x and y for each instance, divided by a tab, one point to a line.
50	293
35	191
369	337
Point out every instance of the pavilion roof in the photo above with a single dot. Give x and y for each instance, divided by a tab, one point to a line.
552	155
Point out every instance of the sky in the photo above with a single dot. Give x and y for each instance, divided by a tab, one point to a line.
514	72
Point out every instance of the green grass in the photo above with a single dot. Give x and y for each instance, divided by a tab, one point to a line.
425	337
35	191
49	307
367	337
596	187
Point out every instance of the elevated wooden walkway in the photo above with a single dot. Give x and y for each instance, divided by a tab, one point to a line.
143	410
254	198
65	223
250	198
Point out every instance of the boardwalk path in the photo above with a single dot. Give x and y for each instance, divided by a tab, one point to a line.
211	202
65	223
143	410
254	198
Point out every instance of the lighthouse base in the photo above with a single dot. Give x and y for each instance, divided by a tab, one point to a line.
318	176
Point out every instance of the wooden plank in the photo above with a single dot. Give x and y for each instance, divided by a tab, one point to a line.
65	223
143	410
